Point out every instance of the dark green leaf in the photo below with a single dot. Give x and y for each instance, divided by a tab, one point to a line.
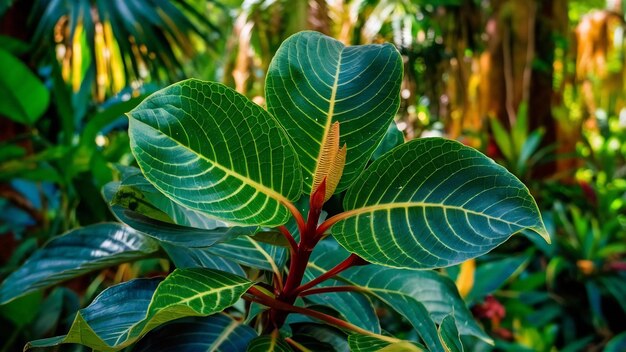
184	257
90	248
432	203
217	332
314	81
268	343
122	314
361	343
24	97
211	149
424	298
616	344
449	335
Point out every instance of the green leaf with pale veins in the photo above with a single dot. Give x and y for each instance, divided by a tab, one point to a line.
268	343
122	314
211	149
423	297
315	81
76	253
433	203
217	332
362	343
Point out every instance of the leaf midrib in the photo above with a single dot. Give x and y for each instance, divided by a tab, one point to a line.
245	179
404	205
330	113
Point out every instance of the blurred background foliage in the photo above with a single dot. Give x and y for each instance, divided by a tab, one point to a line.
538	85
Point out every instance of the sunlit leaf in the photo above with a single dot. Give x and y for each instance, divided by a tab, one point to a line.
432	203
315	81
211	149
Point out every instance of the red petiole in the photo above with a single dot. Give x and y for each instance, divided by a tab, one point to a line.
310	235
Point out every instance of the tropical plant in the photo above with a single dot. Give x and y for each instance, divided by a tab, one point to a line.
221	190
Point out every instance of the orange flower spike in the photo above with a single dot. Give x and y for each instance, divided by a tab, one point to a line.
331	163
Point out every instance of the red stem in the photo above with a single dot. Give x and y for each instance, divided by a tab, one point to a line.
292	242
260	297
314	291
352	260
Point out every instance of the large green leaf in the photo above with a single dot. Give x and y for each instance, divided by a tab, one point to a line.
24	97
432	203
211	149
217	332
122	314
76	253
268	343
424	298
315	81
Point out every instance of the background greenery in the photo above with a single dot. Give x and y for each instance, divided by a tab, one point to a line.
538	85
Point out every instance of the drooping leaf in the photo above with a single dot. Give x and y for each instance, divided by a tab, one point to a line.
184	257
315	81
24	96
179	235
268	343
424	298
246	251
217	332
449	335
432	203
76	253
122	314
139	189
362	343
211	149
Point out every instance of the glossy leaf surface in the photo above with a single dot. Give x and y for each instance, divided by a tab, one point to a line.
122	314
432	203
362	343
315	81
211	149
268	343
424	298
90	248
217	332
